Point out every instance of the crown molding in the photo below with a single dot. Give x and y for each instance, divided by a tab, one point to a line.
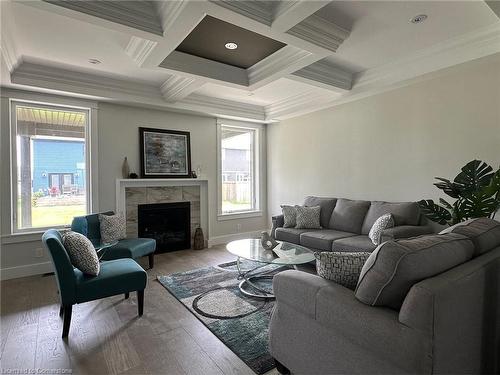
282	62
295	104
61	79
494	6
139	49
325	75
224	107
176	88
479	43
321	32
260	11
141	15
288	13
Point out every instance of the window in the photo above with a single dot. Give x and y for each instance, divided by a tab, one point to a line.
238	169
50	179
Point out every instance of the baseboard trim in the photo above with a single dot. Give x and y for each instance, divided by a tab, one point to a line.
219	240
26	270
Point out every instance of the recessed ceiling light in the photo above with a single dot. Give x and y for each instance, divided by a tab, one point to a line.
231	45
419	19
94	61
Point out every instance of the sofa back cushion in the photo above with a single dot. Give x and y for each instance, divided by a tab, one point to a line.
395	266
326	204
484	233
348	215
404	213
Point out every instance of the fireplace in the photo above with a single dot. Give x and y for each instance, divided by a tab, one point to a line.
168	223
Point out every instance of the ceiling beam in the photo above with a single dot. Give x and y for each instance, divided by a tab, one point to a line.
289	13
139	49
325	75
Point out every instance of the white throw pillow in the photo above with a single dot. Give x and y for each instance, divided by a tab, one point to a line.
113	227
342	267
382	223
81	253
289	216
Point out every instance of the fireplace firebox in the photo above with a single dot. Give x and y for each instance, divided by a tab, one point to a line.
168	223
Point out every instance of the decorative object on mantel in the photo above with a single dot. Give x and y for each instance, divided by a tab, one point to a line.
267	241
199	239
165	153
133	175
125	168
193	174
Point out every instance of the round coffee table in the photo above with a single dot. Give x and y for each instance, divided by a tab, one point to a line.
285	254
101	246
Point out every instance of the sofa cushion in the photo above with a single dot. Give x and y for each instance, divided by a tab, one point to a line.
290	234
81	252
382	223
353	244
348	215
130	248
322	239
308	217
340	267
113	227
289	216
484	233
404	213
395	266
326	204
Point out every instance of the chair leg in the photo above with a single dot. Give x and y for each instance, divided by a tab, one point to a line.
61	311
67	320
151	260
140	302
127	295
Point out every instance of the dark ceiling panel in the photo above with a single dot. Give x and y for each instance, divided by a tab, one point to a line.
209	37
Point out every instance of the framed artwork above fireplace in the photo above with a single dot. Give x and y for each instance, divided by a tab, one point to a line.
165	153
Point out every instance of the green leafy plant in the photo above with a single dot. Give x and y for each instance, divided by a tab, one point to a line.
476	190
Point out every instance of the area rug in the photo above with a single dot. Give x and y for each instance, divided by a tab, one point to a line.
239	321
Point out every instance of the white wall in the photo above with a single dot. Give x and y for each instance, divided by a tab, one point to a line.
117	137
392	145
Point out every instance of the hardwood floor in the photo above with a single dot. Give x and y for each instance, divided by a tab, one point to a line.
107	336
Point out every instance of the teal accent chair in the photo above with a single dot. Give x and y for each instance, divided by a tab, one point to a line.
120	276
133	248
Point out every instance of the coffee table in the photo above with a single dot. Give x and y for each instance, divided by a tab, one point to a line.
285	253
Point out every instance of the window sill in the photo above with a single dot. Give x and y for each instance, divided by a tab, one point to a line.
32	236
238	215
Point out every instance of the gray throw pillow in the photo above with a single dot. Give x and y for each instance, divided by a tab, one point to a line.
342	267
81	253
308	217
382	223
113	227
289	216
395	266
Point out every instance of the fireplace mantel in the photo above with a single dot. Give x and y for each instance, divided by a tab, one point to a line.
123	183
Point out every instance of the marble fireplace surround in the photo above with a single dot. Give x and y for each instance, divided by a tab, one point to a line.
132	192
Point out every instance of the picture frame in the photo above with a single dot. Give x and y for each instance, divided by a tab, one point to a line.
165	153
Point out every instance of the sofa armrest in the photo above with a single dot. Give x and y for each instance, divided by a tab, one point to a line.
405	231
278	222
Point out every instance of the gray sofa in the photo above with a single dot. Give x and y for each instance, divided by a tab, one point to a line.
447	324
346	223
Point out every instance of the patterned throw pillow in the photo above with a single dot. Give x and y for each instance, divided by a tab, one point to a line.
308	217
341	267
289	216
81	253
113	227
382	223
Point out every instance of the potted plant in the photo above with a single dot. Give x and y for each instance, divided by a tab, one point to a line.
476	190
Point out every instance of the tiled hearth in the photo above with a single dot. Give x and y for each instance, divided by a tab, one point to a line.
132	192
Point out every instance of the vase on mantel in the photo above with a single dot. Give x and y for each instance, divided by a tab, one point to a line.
125	168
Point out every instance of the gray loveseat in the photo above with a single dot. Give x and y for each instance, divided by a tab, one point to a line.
447	324
345	224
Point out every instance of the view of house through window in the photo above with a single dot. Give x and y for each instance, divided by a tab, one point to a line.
51	183
238	169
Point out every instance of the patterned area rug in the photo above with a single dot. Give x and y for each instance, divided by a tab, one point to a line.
239	321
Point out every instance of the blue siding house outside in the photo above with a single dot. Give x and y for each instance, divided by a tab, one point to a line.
58	163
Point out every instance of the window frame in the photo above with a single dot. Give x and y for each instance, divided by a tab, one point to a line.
256	169
13	103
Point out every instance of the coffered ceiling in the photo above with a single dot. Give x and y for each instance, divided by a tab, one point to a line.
292	56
